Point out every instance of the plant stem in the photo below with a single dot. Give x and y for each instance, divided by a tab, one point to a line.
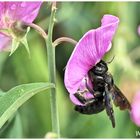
39	29
64	39
52	72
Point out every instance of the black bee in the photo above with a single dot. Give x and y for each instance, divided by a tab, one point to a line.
104	89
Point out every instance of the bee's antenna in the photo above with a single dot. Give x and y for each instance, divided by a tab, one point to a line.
110	60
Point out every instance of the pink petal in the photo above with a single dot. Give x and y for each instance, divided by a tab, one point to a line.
89	51
135	112
2	10
5	42
105	33
20	11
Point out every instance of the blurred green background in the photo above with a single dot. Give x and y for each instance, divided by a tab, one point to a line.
33	119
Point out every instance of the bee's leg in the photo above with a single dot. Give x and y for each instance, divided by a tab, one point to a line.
91	101
89	88
94	93
88	108
80	96
109	107
109	80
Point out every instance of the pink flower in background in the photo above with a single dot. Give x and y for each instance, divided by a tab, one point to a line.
88	52
14	12
139	30
135	111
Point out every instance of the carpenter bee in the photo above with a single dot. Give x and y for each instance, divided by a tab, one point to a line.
104	89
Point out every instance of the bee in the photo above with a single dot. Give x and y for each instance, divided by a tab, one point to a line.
104	92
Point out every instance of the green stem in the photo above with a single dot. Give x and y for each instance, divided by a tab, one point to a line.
52	73
64	39
39	29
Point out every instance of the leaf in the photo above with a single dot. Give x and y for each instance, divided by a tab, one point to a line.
13	128
11	100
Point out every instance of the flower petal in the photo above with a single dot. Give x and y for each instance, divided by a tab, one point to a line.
23	11
2	8
105	33
89	51
2	11
135	111
5	42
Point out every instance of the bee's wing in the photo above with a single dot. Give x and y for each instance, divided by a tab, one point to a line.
119	99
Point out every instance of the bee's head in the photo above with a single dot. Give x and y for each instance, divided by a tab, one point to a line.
100	68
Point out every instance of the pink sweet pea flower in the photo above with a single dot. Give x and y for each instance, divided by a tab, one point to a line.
14	12
88	52
135	111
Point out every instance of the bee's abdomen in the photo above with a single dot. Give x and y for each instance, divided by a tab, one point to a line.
90	108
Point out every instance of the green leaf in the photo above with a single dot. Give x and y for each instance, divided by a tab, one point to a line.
13	128
11	100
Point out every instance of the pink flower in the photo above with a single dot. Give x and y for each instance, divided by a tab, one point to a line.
135	111
12	13
138	30
88	52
